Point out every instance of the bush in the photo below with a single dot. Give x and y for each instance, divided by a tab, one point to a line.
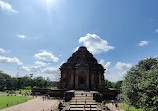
11	92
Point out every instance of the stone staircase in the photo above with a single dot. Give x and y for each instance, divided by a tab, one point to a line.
83	100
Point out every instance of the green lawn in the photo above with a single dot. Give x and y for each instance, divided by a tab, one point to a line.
2	92
11	100
131	108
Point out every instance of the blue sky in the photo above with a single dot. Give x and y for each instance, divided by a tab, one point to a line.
37	36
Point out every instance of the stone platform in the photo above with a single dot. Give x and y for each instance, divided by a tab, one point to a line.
82	100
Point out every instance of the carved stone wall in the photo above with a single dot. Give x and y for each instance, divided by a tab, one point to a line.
82	71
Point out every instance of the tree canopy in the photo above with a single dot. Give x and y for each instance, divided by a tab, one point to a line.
12	83
115	85
140	87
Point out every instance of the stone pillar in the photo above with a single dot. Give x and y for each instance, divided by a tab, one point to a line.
92	81
71	81
87	79
76	81
100	81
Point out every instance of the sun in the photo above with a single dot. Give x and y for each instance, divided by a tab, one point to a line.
48	2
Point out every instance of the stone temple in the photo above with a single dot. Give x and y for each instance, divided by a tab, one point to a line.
82	72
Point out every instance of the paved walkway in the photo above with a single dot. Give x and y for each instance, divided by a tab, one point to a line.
36	104
112	107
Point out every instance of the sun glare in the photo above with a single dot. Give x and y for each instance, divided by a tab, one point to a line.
49	2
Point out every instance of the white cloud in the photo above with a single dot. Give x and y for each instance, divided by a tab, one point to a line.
21	36
39	63
50	70
45	55
120	65
24	68
117	72
31	69
156	31
52	77
3	51
35	69
142	43
7	7
10	60
105	65
55	77
95	44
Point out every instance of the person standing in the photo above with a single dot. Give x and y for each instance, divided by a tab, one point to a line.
85	103
84	108
90	107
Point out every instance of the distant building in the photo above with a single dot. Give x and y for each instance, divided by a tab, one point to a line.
82	71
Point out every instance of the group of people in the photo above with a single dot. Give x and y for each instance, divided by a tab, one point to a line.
25	94
46	97
60	106
114	103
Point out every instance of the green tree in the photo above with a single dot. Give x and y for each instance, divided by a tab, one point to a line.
12	83
108	84
2	82
141	85
5	81
117	85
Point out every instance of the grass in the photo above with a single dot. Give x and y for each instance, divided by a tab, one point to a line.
2	92
124	106
11	100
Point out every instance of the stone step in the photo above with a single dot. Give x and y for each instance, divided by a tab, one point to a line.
86	109
81	100
77	102
81	106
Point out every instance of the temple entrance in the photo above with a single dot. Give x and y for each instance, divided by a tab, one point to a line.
81	81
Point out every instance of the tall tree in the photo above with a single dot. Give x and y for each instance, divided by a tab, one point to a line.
141	85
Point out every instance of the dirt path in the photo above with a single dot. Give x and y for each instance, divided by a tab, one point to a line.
36	104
